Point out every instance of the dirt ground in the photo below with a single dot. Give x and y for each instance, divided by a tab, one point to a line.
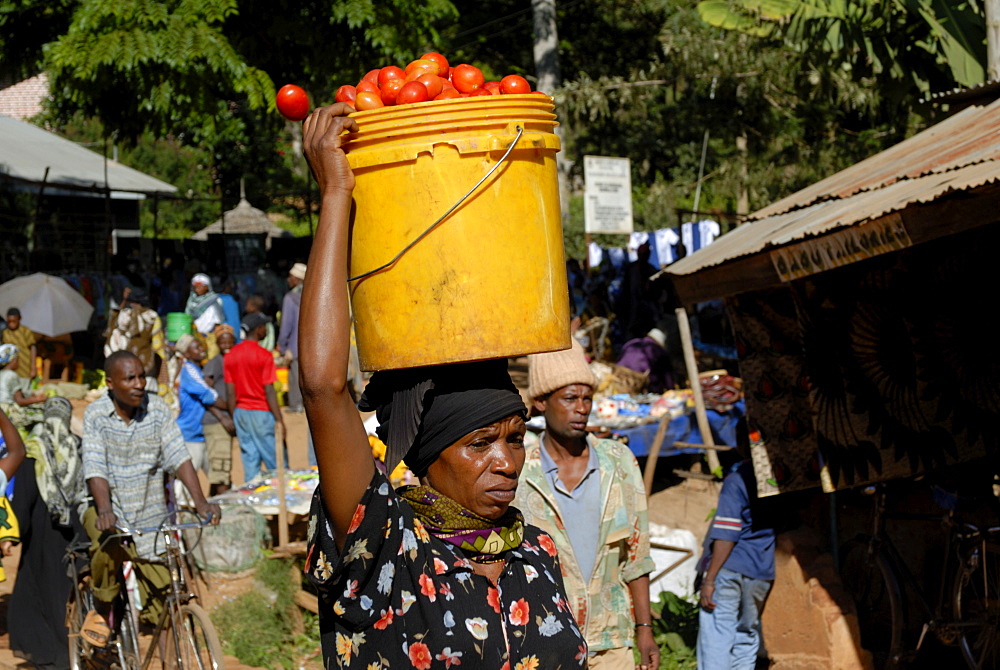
676	503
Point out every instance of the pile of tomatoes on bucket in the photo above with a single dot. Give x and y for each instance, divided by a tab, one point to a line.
429	77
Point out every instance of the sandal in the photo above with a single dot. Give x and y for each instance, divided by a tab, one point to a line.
95	630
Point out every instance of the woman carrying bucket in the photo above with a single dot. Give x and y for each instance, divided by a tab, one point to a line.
445	572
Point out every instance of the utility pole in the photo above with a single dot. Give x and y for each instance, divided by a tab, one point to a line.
992	8
546	51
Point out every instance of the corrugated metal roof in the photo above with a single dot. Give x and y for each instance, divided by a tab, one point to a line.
26	151
958	154
962	93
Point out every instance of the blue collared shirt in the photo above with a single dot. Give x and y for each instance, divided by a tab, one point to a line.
580	508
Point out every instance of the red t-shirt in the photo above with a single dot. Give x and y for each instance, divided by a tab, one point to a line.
249	367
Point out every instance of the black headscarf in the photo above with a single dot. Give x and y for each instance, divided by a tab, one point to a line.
423	411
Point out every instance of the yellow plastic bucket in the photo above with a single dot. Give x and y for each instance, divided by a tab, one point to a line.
489	281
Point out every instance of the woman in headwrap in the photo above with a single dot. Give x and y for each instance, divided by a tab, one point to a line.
206	309
204	305
440	574
48	487
16	399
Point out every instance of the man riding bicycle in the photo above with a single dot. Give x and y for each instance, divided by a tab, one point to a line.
130	438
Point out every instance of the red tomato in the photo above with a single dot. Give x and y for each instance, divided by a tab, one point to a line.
449	86
346	93
434	84
372	76
540	93
292	102
427	66
478	92
514	84
412	92
467	78
368	100
365	85
390	90
493	87
388	74
439	59
448	94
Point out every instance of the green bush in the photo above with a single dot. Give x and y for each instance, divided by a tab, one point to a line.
259	627
675	629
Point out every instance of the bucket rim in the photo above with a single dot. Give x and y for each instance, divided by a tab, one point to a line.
431	106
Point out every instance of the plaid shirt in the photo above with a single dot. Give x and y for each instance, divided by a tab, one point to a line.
132	458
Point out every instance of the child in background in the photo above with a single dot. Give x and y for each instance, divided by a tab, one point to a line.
738	565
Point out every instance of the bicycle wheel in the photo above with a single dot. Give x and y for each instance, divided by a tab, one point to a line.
128	641
192	641
872	583
77	606
977	606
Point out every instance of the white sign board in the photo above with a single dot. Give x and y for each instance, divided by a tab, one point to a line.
608	196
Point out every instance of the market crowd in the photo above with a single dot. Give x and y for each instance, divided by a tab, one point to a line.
177	405
501	552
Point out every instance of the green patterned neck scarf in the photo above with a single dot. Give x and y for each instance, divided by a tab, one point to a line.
483	540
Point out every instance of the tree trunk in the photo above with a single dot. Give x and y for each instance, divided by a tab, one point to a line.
546	51
992	8
743	196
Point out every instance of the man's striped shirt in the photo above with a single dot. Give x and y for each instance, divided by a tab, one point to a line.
132	458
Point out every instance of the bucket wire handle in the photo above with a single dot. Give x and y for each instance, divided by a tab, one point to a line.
520	131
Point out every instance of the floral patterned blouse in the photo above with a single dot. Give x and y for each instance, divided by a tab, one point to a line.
400	598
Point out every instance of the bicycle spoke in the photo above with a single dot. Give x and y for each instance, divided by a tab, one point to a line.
977	607
196	645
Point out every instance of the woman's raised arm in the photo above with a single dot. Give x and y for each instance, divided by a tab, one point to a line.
342	451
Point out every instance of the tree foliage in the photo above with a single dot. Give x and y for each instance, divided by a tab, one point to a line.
201	74
900	45
25	26
734	86
163	66
788	91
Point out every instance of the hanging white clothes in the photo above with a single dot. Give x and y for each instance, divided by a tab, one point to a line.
700	234
664	241
594	254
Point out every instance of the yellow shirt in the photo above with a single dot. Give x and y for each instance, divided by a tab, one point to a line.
23	339
9	529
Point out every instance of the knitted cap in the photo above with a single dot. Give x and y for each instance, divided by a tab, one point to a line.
552	371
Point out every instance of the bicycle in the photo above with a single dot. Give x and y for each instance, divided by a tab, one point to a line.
184	637
966	611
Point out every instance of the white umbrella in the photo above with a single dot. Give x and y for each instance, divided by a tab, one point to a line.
48	304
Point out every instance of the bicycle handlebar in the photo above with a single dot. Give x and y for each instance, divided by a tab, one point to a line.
165	527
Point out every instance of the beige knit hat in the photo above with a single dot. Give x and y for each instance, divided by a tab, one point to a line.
552	371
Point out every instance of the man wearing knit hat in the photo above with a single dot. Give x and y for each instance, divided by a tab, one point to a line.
588	495
288	336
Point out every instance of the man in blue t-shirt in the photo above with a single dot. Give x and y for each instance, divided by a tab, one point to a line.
739	554
197	397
